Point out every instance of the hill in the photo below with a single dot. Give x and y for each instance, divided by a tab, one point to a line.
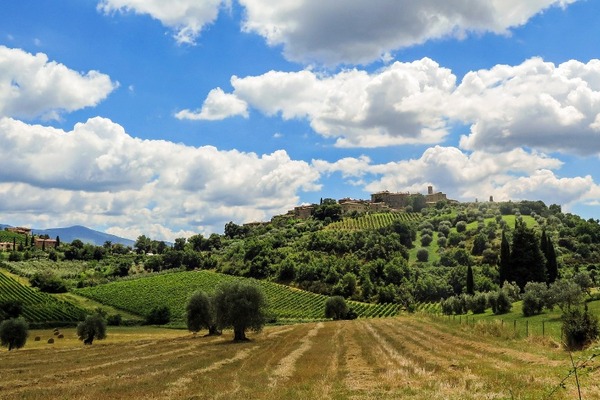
140	295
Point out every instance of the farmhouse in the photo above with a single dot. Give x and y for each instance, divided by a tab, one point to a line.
6	246
45	243
20	230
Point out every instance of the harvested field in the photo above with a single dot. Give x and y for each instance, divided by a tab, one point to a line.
403	357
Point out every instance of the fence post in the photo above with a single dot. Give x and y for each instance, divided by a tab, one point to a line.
543	328
515	326
526	328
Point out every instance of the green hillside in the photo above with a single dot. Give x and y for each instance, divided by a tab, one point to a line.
139	296
38	307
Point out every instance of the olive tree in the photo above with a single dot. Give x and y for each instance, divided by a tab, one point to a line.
241	306
93	327
200	313
336	308
13	333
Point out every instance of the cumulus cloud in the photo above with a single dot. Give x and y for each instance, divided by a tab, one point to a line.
512	175
400	104
185	17
361	31
97	174
535	104
217	106
32	86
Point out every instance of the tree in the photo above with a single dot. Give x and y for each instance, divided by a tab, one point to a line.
13	333
470	281
547	248
93	327
11	308
527	263
565	294
535	298
336	308
200	314
422	255
479	245
579	328
159	315
504	267
241	306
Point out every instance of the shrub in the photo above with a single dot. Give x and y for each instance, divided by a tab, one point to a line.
93	327
477	303
159	315
48	282
461	226
114	320
13	333
535	298
579	328
500	302
336	308
11	308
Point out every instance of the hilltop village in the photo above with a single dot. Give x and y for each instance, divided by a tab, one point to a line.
379	202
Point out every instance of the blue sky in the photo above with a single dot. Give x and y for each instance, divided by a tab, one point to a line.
173	118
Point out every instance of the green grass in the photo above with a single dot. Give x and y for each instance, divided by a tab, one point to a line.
38	306
139	296
547	324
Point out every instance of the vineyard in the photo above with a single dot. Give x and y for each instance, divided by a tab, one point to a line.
38	306
372	221
139	296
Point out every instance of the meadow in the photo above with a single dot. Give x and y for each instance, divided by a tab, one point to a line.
408	357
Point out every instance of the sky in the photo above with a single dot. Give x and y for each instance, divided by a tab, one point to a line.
170	119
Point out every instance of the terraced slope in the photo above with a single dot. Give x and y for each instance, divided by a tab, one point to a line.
139	296
391	358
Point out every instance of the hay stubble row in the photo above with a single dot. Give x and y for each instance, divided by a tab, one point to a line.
404	357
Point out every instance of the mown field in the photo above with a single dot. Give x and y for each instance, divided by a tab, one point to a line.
391	358
173	290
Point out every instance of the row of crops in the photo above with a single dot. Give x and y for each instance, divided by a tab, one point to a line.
139	296
373	221
38	306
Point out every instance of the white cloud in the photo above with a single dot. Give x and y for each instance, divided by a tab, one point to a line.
513	175
31	86
400	104
535	104
217	106
98	175
361	31
185	17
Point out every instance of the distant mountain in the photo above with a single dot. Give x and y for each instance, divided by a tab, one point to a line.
86	235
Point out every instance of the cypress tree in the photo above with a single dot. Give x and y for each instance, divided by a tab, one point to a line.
551	263
504	267
527	261
470	281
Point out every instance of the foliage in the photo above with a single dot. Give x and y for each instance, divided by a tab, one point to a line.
200	313
500	302
13	333
11	308
93	327
579	328
159	315
48	282
422	255
240	305
535	298
527	263
565	294
336	308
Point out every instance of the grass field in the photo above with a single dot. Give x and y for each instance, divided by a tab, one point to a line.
390	358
